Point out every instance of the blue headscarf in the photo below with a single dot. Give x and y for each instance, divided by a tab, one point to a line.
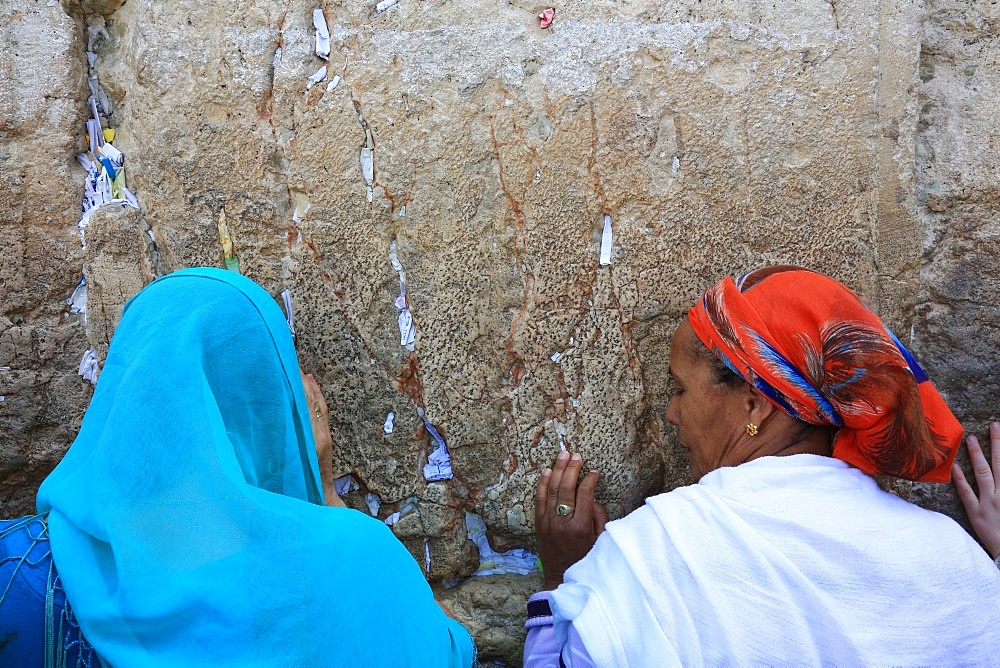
186	520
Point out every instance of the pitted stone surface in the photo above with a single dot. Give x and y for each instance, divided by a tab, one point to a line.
42	85
957	322
717	141
718	136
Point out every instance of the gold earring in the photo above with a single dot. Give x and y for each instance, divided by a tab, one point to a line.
751	429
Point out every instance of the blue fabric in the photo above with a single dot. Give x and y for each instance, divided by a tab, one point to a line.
37	626
186	518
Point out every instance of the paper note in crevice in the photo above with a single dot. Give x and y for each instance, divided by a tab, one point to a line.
374	503
345	485
491	562
108	150
319	76
387	427
88	366
438	466
607	240
407	330
229	256
77	301
286	299
409	506
368	163
302	206
322	34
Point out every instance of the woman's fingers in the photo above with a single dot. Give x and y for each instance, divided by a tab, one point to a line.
980	467
995	452
541	500
558	471
601	518
318	394
314	396
567	485
965	492
585	495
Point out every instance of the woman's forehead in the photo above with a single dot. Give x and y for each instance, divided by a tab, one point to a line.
682	354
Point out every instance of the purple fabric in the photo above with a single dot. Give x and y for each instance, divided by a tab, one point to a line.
541	649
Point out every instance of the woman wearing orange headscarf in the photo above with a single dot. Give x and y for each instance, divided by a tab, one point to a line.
790	395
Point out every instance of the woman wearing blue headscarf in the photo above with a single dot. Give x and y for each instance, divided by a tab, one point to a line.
187	524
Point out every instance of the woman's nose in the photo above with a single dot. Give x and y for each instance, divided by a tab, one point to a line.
671	413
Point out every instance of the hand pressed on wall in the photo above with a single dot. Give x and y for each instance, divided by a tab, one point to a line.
565	538
320	418
984	510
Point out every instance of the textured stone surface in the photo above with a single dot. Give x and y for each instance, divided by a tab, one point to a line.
957	323
118	264
716	139
492	608
719	137
41	115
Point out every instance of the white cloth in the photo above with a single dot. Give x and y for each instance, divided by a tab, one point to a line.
783	560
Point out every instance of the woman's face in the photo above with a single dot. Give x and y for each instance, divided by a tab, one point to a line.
711	417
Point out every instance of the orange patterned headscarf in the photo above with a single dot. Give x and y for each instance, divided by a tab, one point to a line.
819	353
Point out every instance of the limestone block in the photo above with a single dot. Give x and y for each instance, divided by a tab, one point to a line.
718	138
957	321
41	112
492	608
118	264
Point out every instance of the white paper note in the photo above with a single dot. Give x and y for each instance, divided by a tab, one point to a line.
438	465
88	366
286	298
606	242
322	35
374	503
491	562
319	76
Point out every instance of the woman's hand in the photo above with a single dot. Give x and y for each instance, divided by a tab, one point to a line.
567	519
984	511
320	419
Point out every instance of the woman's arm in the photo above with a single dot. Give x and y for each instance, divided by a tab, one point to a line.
567	521
320	418
984	510
541	649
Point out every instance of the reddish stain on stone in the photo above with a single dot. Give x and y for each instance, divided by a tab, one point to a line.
409	382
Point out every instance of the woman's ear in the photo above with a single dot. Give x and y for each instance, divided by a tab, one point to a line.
759	408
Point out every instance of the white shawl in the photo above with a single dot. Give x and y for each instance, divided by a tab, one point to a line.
783	560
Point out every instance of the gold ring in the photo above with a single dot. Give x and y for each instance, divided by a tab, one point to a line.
564	509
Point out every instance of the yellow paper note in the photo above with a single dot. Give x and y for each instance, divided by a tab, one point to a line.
229	257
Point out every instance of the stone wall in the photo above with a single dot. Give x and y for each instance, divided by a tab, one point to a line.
846	136
42	110
956	329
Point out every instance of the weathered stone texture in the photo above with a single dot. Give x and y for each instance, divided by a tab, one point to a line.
41	115
719	136
718	142
957	323
118	264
